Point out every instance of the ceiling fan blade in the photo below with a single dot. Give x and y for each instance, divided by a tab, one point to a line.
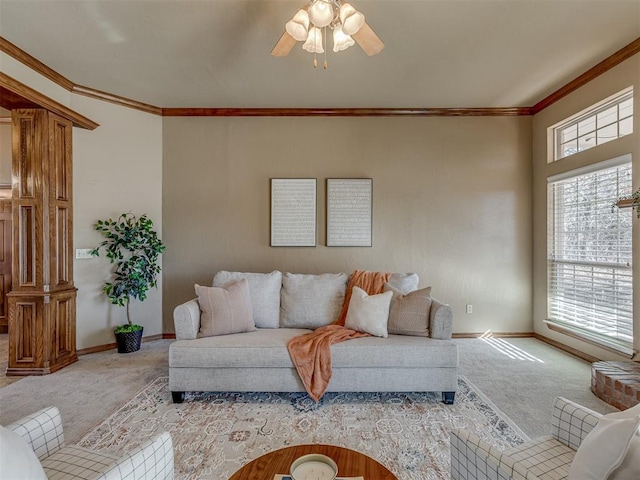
368	40
284	45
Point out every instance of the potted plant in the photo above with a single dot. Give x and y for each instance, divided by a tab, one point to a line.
632	200
133	246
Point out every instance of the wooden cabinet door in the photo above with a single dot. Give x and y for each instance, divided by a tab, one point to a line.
5	261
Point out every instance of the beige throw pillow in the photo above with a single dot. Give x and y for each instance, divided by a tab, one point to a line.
409	314
225	310
264	289
368	313
311	301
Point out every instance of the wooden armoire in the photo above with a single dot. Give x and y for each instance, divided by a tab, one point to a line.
42	301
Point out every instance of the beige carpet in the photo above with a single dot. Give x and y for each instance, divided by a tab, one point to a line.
214	434
521	376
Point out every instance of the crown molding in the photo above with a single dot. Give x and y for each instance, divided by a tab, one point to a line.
118	100
618	57
607	64
344	112
14	94
34	64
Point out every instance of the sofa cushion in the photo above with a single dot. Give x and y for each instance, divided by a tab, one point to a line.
225	310
264	289
409	314
311	301
368	313
75	463
545	457
268	348
405	282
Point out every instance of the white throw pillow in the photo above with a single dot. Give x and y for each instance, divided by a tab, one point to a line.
368	313
605	448
405	282
630	467
17	459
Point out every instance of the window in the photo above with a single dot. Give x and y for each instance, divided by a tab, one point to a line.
590	283
601	123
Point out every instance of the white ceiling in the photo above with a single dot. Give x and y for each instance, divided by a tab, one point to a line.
215	53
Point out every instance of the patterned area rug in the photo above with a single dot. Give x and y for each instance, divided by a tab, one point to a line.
214	434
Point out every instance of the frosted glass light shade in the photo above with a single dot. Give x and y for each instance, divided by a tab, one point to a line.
352	20
340	40
314	41
298	26
321	13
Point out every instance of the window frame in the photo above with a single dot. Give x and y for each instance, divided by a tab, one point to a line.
585	115
573	328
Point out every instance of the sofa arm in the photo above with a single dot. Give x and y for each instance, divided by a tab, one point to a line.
572	422
474	459
186	319
153	460
440	320
42	431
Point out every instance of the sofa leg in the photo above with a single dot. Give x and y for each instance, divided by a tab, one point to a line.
178	397
448	397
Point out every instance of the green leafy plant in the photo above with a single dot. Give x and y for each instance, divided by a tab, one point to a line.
133	246
635	201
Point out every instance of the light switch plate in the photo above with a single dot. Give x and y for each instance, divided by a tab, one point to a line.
83	253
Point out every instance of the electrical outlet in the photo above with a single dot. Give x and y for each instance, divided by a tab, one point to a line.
83	253
469	308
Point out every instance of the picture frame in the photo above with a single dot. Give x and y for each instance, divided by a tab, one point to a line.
349	212
293	212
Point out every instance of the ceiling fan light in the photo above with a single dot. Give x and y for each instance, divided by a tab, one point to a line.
298	26
341	41
314	41
352	20
321	13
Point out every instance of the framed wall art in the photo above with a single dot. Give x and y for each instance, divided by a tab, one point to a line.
293	212
349	212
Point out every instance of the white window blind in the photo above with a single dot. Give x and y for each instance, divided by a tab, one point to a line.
589	254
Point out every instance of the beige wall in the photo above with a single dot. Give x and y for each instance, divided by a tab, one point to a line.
613	81
117	168
451	201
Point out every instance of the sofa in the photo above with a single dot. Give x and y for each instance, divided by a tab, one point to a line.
417	354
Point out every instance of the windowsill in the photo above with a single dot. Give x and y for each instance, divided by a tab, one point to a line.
593	339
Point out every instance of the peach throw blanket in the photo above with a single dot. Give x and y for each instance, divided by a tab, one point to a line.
311	353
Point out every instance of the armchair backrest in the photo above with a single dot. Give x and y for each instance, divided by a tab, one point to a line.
572	422
42	431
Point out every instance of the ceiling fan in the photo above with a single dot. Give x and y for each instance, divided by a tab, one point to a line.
348	25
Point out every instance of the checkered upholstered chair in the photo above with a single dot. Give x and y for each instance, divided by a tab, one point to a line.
43	432
545	458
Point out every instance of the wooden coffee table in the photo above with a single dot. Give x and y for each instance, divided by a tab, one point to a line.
350	463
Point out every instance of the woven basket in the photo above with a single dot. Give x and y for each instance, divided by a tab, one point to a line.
129	341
